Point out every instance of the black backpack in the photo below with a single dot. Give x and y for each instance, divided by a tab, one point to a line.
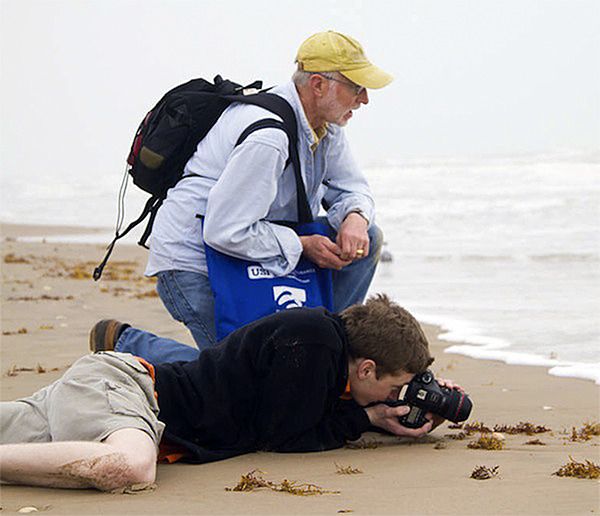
168	136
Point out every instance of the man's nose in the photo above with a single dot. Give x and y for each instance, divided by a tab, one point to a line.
363	98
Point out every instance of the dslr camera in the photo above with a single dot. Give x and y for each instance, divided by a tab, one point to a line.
424	394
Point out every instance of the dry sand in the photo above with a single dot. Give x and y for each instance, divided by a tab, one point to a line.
47	295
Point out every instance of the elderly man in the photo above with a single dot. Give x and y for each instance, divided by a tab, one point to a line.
233	194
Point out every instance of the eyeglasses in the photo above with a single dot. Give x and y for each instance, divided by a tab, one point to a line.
358	90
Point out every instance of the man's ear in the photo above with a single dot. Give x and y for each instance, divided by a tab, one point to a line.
366	369
317	85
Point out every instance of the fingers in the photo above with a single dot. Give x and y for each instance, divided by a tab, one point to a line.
323	252
331	256
402	431
352	238
387	418
351	244
352	248
449	384
435	419
359	250
381	414
418	432
399	411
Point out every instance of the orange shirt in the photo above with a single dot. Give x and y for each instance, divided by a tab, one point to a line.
346	394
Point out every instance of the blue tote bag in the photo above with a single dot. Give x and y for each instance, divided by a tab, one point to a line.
244	291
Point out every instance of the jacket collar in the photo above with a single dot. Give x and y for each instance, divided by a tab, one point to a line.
289	92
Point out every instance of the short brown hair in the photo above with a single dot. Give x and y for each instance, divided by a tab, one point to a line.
388	334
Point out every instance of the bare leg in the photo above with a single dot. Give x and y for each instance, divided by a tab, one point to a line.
126	457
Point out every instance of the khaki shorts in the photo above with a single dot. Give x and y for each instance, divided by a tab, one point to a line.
98	395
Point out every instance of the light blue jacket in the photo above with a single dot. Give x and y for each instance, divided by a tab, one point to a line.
242	188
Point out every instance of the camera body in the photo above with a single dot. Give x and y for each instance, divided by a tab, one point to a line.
424	394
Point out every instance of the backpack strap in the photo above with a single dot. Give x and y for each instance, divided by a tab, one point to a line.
151	207
146	234
303	208
259	124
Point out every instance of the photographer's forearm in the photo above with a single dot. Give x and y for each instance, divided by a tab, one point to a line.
346	423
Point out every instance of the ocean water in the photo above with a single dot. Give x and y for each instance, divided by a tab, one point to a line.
504	254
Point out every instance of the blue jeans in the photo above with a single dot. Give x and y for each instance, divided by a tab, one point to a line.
351	284
154	349
188	298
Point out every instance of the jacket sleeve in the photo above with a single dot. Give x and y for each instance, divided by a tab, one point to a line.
346	422
300	406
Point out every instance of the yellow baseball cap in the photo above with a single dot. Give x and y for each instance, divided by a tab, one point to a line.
334	52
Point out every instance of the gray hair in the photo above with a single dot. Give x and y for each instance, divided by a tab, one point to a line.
300	77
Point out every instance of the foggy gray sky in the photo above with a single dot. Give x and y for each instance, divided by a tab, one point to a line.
472	77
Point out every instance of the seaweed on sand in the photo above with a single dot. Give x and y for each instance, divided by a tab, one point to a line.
13	258
476	426
363	444
346	470
15	370
484	472
587	469
522	428
254	480
536	442
20	331
458	437
585	433
487	442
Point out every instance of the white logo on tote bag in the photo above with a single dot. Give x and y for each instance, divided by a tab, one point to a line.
289	297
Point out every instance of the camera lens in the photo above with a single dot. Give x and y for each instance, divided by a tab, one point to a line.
457	407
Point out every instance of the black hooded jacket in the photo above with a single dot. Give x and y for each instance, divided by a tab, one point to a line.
274	384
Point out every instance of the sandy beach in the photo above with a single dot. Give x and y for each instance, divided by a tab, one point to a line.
49	303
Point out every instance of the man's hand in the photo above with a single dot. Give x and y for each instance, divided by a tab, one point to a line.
449	384
386	417
352	238
435	420
321	250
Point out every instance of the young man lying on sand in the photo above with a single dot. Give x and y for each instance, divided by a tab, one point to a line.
299	380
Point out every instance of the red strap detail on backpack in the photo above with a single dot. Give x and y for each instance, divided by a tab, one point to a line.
137	141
